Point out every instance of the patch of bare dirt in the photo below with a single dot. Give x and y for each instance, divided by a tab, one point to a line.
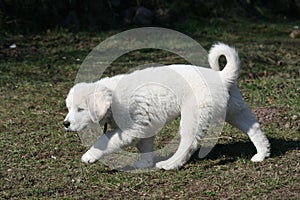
277	114
267	114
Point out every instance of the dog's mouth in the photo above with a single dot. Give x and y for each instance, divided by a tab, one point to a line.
105	125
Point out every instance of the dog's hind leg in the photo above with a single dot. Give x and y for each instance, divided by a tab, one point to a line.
239	115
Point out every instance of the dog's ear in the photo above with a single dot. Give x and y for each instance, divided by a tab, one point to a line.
98	103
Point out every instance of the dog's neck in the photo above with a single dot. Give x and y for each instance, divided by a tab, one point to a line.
108	120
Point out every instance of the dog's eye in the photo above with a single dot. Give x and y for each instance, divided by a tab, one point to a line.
80	109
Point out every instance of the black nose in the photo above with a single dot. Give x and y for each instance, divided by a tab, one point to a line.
67	124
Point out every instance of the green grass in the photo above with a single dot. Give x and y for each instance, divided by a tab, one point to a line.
39	160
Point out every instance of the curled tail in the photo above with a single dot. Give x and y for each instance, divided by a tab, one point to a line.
231	70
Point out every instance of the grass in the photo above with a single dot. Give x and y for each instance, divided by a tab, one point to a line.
39	160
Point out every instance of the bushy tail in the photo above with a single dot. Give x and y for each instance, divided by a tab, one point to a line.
231	70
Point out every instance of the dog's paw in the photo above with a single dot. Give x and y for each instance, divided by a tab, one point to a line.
166	165
88	158
258	157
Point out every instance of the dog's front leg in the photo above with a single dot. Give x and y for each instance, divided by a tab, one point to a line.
106	144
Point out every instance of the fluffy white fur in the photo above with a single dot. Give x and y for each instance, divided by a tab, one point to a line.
152	106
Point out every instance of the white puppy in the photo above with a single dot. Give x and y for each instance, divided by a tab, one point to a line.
139	104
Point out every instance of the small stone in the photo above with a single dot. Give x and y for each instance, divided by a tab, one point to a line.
143	16
295	34
294	117
287	125
13	46
279	63
251	75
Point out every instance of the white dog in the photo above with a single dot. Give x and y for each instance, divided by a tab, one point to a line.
139	104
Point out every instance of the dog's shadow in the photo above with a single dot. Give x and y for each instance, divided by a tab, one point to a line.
223	154
228	153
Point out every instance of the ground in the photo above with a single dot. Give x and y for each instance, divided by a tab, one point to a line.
40	160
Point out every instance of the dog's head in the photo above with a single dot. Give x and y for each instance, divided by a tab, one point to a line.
87	104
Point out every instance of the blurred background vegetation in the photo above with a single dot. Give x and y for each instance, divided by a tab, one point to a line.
95	15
